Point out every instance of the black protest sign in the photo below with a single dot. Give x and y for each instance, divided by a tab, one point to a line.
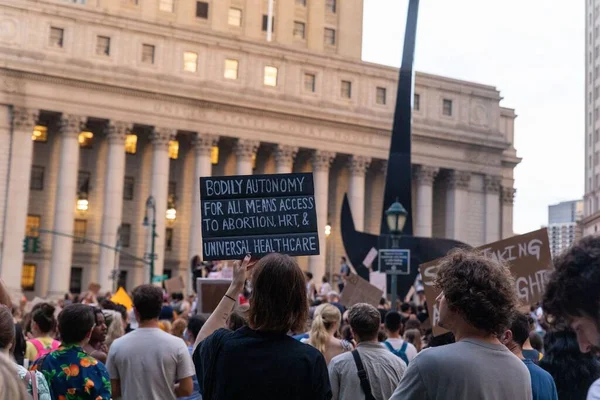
258	214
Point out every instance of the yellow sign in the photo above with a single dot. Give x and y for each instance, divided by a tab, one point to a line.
121	297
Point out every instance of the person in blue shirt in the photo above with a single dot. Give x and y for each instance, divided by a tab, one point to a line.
542	383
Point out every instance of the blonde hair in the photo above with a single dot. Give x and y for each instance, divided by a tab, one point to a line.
115	327
13	388
178	327
326	316
413	336
165	325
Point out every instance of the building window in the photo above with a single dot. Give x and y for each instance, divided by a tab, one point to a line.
265	20
56	37
169	239
596	158
381	96
190	61
447	107
331	6
330	36
235	17
166	5
128	188
310	81
103	46
172	190
32	226
231	69
85	139
80	230
346	90
28	277
148	54
125	235
299	30
417	102
301	3
83	182
37	178
596	135
202	9
270	78
173	149
122	280
76	280
131	144
40	134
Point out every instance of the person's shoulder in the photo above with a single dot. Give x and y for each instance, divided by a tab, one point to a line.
594	391
411	346
341	359
536	369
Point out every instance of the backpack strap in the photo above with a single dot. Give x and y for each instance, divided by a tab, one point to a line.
31	380
37	344
362	375
389	346
404	346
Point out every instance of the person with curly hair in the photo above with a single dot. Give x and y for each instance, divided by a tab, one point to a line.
476	304
573	296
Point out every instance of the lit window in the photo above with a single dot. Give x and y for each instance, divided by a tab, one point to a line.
85	139
80	230
125	235
447	107
148	54
190	61
173	149
128	188
202	9
40	134
32	226
346	89
265	21
270	78
310	82
214	155
231	69
330	36
381	95
166	5
37	178
417	102
299	30
131	144
103	45
330	5
56	37
28	277
235	17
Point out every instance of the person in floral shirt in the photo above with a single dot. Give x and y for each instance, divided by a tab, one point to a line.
70	372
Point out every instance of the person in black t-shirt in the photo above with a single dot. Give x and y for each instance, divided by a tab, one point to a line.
261	361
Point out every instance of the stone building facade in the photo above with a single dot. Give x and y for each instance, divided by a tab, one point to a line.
104	103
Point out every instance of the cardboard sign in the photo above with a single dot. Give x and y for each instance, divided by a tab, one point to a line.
121	297
210	292
530	262
175	285
258	214
358	290
379	280
371	256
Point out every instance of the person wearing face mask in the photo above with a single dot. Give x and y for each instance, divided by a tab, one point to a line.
189	335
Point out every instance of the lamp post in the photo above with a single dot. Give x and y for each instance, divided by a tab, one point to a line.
395	218
151	205
328	260
115	274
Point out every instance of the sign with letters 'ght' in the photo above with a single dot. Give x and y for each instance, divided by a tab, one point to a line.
258	214
530	262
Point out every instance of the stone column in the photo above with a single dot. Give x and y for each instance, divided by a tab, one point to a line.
202	167
284	158
456	205
160	138
64	211
424	176
356	191
492	208
321	162
17	201
113	198
245	150
508	197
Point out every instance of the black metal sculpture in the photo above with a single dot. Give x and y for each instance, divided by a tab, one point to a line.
398	180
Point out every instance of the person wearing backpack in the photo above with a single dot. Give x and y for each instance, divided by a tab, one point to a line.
43	328
394	343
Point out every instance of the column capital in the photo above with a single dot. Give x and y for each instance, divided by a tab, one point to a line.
245	149
203	143
458	180
116	131
508	195
71	125
285	155
492	184
425	174
358	165
322	160
161	137
25	118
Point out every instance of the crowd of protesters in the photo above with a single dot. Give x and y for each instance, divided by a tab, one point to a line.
294	339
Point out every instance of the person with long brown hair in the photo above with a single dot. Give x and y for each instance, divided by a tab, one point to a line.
261	361
326	323
43	329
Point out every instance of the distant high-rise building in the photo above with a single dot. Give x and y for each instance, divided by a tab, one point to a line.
564	226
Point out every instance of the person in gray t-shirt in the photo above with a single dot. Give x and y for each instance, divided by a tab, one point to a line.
149	363
476	303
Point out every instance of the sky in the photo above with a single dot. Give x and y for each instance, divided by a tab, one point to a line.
530	50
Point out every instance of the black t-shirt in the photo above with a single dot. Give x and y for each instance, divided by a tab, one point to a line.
249	364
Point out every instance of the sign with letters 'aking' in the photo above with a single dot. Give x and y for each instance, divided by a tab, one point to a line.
258	214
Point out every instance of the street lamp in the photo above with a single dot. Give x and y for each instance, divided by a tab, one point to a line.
329	252
115	274
151	205
396	217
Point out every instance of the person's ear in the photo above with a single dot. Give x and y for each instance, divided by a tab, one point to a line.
507	337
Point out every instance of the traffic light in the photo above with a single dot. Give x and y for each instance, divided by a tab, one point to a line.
36	245
25	245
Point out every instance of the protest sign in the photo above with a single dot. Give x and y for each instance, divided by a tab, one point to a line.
379	280
210	292
528	257
258	214
358	290
174	285
121	297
